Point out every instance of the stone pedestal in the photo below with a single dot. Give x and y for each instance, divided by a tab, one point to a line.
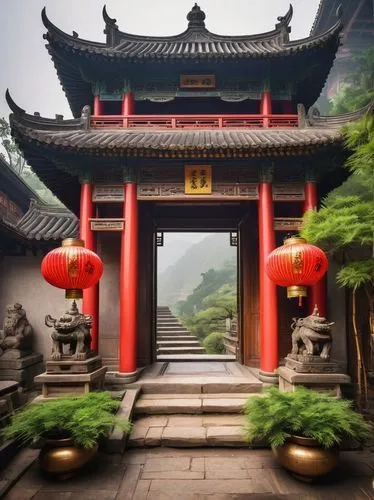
9	400
21	366
69	376
329	382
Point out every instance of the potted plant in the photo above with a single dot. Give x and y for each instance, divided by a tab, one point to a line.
70	428
304	428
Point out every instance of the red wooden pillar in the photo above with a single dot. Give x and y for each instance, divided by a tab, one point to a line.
265	107
98	106
316	293
90	295
128	104
129	281
268	292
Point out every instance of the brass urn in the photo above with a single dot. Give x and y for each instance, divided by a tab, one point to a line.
62	458
306	458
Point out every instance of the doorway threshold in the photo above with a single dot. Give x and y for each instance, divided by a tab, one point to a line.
196	357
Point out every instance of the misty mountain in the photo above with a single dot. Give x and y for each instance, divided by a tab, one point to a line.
171	252
179	279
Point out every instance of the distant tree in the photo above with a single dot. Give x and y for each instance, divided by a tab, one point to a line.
345	225
225	298
357	89
211	281
13	156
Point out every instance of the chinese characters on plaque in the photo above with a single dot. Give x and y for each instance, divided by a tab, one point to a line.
198	179
197	82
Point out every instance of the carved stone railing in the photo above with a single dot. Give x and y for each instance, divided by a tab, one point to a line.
230	339
194	121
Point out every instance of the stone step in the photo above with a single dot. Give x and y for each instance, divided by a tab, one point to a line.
162	338
173	322
178	343
186	431
179	403
199	385
172	334
181	350
172	328
172	331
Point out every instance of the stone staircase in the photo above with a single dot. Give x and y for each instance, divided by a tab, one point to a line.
193	409
172	337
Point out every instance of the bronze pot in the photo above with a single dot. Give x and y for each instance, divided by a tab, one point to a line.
62	457
306	458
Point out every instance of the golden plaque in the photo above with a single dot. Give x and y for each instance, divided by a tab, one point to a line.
198	179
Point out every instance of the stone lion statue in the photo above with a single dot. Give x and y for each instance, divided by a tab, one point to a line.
17	331
311	336
72	328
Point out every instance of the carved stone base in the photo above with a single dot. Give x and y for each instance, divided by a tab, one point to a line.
15	353
69	365
61	384
325	382
9	397
310	364
268	377
21	369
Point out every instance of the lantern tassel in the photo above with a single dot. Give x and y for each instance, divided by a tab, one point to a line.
300	300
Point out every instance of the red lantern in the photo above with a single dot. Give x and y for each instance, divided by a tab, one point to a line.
72	267
296	265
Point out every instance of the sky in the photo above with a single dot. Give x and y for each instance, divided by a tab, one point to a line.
28	72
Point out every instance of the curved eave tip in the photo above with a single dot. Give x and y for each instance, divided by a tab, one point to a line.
13	106
45	19
339	11
107	18
289	14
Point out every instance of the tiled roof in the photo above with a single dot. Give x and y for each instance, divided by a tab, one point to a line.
57	148
195	41
128	142
80	62
47	222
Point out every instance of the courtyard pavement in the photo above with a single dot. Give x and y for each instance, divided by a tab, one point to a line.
198	474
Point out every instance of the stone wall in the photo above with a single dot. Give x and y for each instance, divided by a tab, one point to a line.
336	311
21	281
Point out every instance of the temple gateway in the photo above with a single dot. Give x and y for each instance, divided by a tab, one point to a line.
192	132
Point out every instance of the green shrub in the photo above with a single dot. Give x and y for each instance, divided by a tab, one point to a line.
83	418
278	415
213	343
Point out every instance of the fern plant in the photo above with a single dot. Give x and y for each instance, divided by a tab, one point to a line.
83	418
279	415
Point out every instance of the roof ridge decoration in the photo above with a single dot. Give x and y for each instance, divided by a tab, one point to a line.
195	32
196	17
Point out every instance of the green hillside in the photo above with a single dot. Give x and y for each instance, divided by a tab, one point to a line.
180	279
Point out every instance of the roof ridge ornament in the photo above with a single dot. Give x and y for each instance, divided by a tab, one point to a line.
111	28
283	24
196	17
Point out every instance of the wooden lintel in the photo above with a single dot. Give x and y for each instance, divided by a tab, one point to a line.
287	223
107	224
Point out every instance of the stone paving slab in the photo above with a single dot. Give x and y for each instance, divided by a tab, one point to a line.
198	474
